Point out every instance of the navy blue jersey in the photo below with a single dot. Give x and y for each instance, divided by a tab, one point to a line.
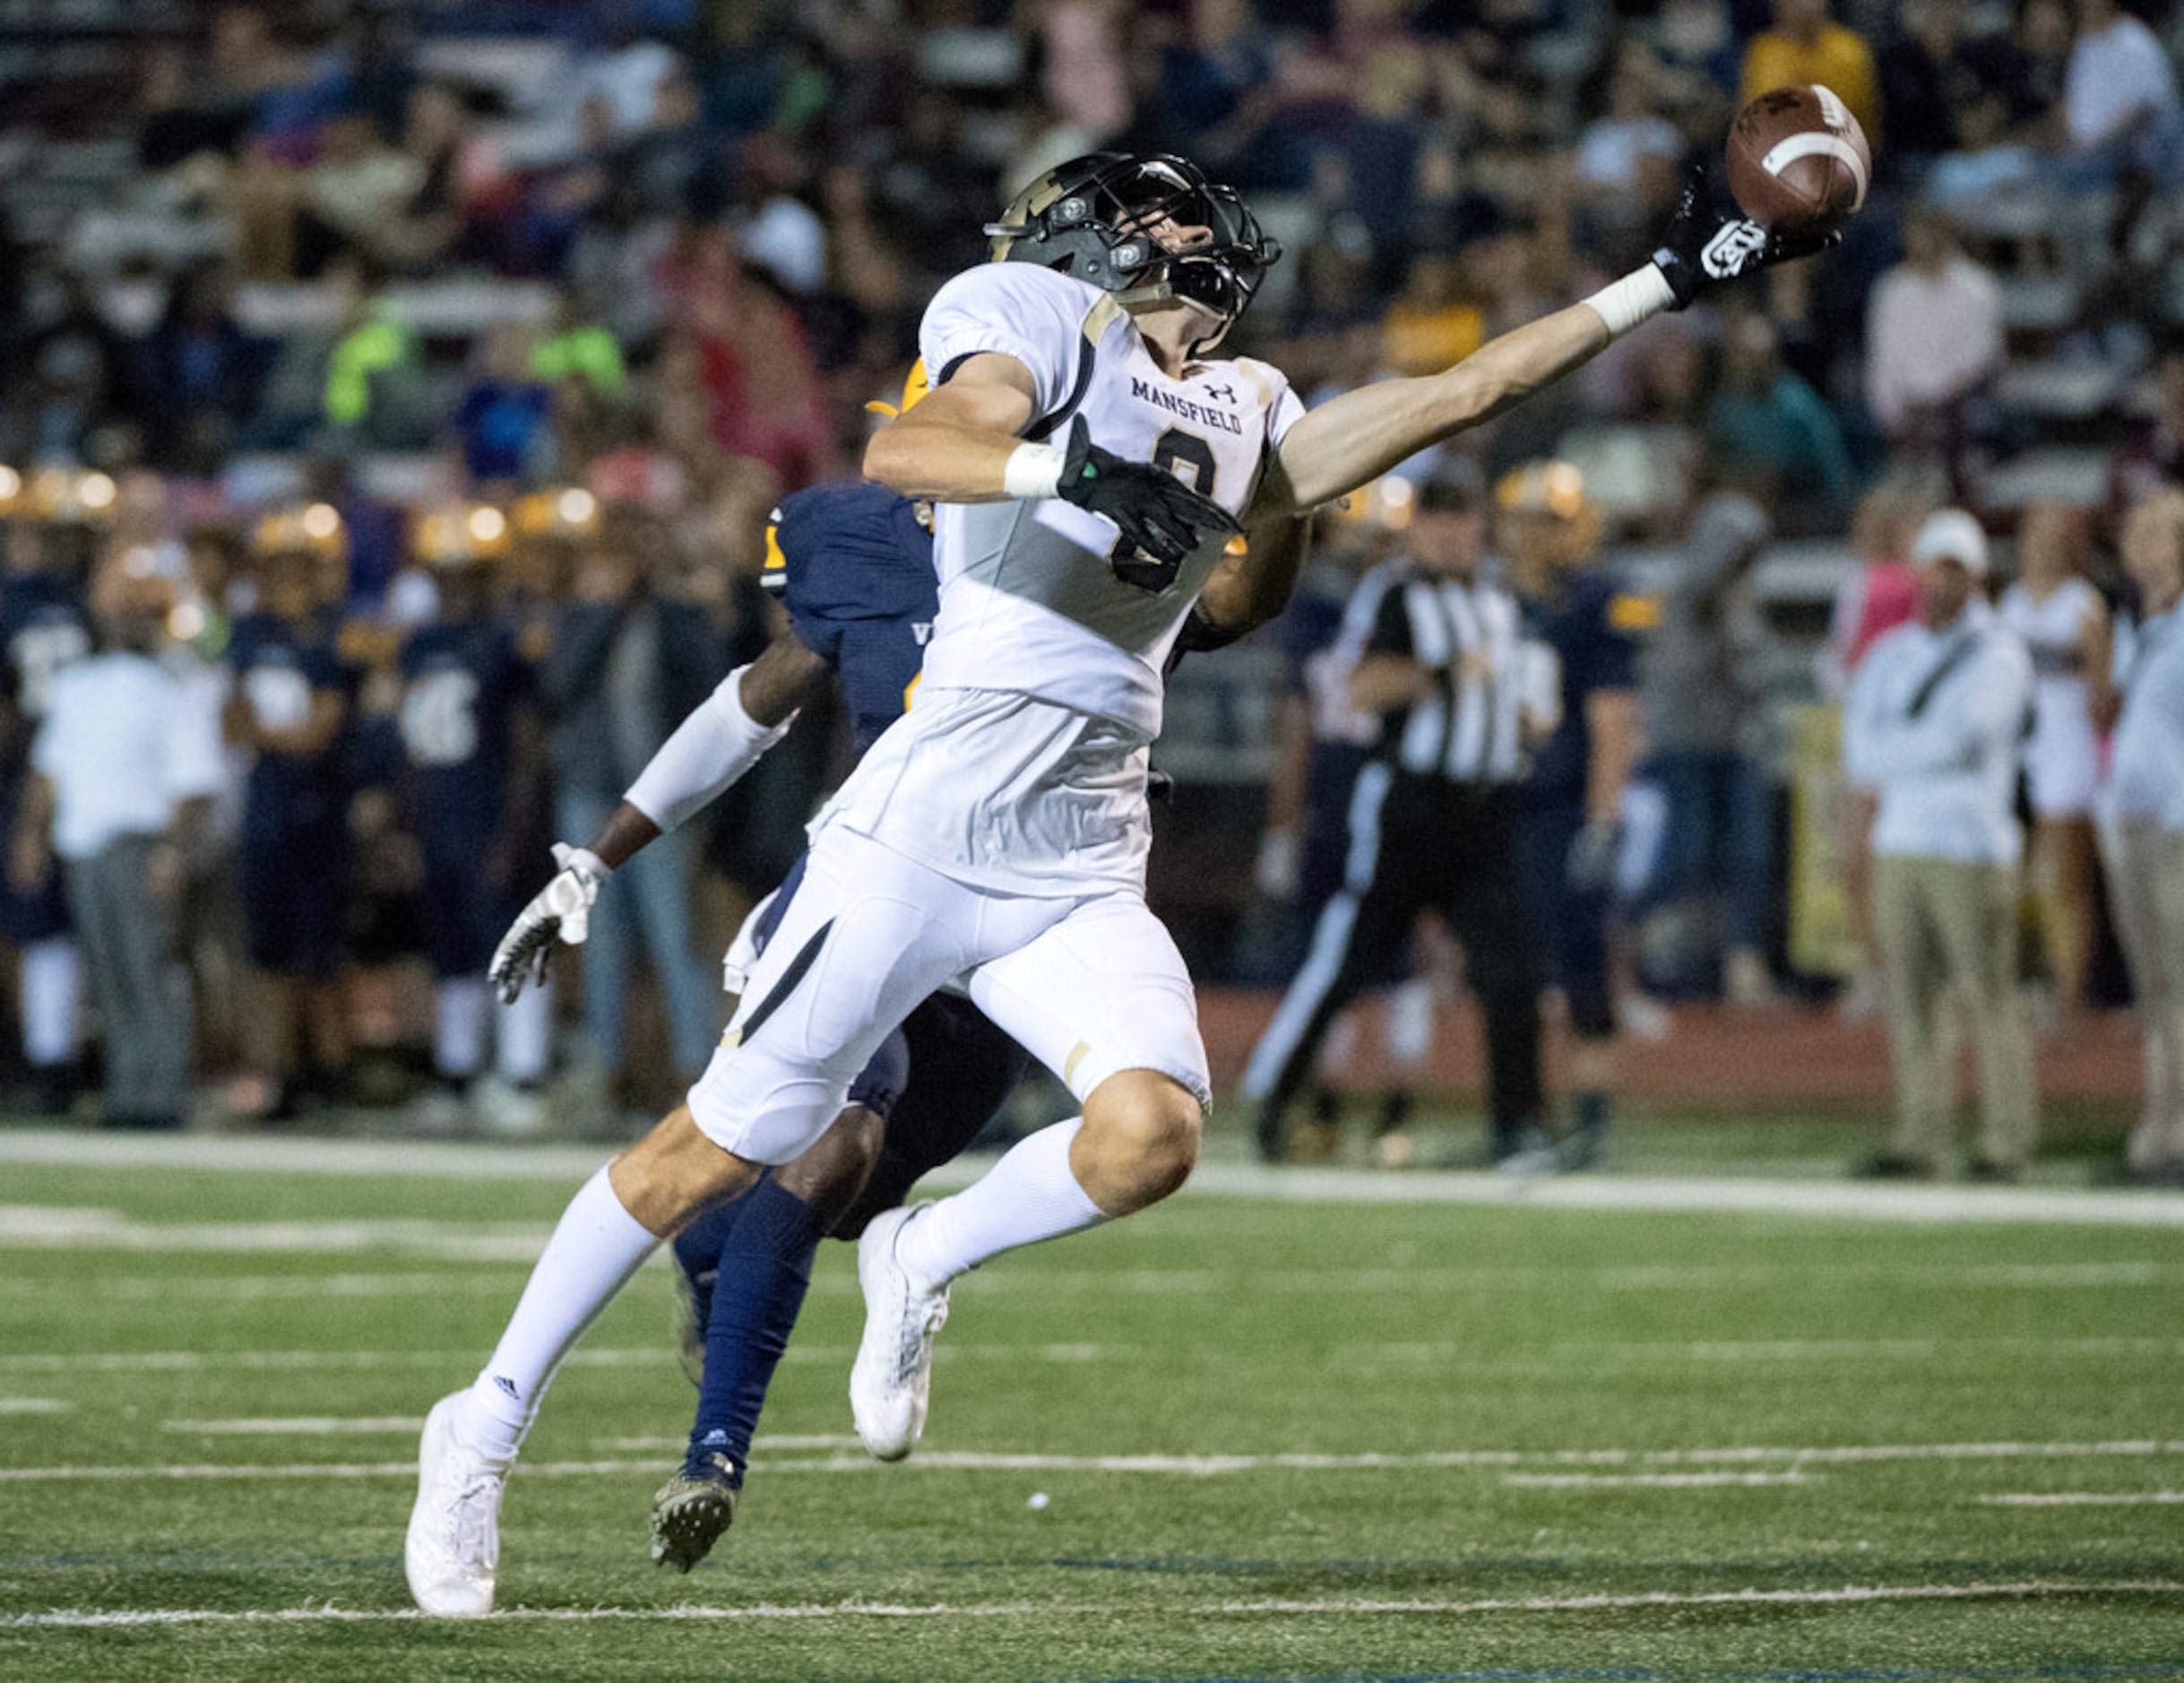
44	626
1591	626
463	686
280	667
854	567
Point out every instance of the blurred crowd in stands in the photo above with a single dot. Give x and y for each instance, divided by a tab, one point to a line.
329	326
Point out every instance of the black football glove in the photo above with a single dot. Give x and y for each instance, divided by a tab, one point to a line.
1161	519
1711	240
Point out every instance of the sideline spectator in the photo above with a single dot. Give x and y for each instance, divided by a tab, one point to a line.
1705	683
1770	434
1933	337
2063	623
126	768
1934	722
2143	829
627	666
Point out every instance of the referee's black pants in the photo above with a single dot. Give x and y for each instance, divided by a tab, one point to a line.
1418	843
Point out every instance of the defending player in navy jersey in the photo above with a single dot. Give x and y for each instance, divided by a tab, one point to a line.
1570	826
470	743
1091	457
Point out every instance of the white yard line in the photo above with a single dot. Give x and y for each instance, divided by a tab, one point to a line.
34	1405
72	1618
301	1426
2086	1498
1823	1199
1649	1481
1794	1459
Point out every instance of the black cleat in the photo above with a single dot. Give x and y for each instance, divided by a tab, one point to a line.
1991	1171
1892	1166
693	1508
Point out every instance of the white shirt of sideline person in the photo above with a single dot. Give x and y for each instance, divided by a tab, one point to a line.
1935	721
123	743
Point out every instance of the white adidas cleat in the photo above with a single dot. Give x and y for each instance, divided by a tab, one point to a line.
893	1376
453	1547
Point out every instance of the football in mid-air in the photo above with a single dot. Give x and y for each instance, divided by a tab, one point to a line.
1798	161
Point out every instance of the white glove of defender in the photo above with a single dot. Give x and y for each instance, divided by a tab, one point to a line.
559	914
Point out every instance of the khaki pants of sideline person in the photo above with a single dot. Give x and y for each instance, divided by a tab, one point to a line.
1946	929
2145	885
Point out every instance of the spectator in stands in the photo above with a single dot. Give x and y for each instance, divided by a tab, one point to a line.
1772	435
355	196
1705	684
1806	46
502	419
1620	152
2142	828
2121	105
290	710
2157	456
624	668
1933	337
1942	90
1934	722
2063	621
127	764
199	375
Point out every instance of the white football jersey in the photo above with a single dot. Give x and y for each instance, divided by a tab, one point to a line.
1042	683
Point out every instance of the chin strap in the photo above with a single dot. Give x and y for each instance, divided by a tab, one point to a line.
1162	292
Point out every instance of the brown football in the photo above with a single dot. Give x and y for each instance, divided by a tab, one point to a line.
1798	161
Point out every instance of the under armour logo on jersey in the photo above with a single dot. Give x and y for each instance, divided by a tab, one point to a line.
1732	249
1226	393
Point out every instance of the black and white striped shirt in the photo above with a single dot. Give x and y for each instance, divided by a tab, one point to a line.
1468	727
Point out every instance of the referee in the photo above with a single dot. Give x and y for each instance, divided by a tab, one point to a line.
1435	650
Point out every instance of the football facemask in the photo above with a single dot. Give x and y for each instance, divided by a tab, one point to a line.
1145	228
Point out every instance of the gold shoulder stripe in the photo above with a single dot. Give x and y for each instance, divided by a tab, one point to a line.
1634	613
1100	317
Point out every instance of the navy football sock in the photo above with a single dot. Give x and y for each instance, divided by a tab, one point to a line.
764	1268
698	1246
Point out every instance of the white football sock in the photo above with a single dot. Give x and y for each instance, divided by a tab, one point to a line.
51	975
458	1026
598	1245
1030	1194
523	1035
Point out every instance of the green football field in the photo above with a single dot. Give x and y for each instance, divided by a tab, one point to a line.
1378	1427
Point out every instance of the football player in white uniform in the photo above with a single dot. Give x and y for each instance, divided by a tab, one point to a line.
1090	458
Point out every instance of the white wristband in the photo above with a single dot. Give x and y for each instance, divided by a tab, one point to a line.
1033	471
1641	294
585	860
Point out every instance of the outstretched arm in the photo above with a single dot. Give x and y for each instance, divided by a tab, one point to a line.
1354	438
